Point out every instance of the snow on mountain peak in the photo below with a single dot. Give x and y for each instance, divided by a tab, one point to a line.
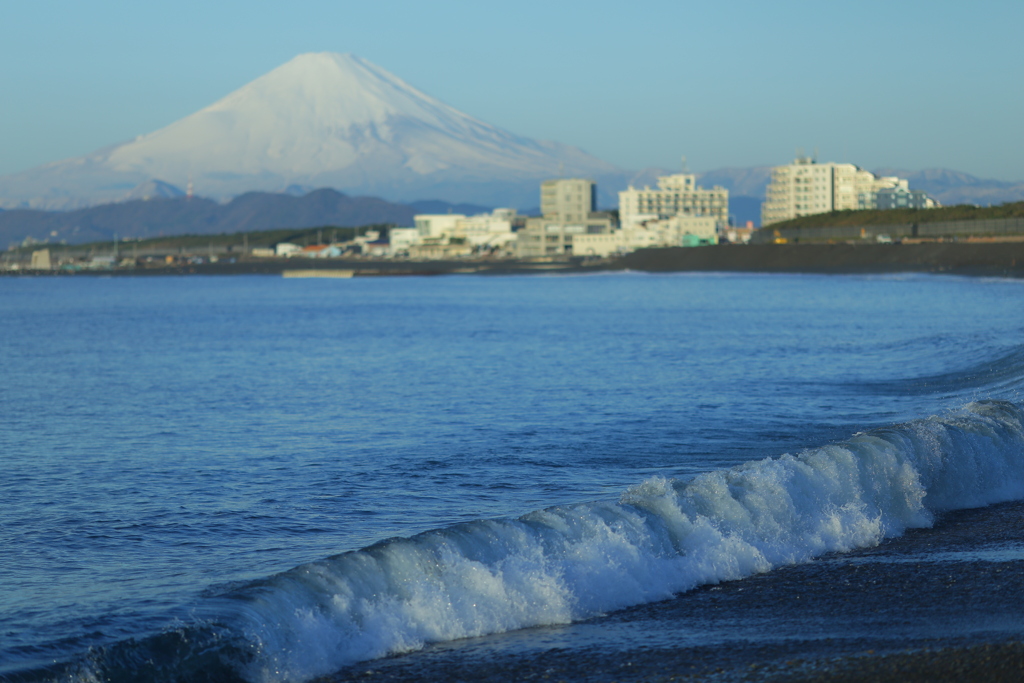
323	120
338	89
319	112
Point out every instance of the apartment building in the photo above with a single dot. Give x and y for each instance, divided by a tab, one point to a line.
550	236
568	199
676	195
569	206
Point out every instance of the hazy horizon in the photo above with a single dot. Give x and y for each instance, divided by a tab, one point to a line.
910	86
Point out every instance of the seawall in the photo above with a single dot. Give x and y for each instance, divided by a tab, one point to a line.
998	259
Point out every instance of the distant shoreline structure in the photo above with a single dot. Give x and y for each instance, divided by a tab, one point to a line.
978	258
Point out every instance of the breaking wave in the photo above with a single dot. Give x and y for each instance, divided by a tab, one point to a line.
566	563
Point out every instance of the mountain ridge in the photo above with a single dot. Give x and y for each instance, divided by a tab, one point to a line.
319	120
163	216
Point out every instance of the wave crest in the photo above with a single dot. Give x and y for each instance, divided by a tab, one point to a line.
662	537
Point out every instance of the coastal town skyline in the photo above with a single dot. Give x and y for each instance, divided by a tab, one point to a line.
628	90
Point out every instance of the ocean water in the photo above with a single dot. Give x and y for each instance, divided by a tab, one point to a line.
251	478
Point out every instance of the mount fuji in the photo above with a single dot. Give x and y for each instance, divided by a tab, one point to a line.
319	120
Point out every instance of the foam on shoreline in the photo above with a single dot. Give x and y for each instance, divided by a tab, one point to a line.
663	537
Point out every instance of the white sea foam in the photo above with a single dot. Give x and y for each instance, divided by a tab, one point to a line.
662	537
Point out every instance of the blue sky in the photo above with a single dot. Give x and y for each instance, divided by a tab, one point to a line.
881	84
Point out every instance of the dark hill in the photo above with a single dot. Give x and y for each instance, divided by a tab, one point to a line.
198	216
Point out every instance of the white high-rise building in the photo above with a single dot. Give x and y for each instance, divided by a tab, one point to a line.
676	195
805	187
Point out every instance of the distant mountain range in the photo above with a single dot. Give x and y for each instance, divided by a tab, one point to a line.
329	120
179	215
320	120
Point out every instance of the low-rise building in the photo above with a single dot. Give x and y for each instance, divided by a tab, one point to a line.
482	232
550	236
400	239
677	231
436	224
433	248
487	229
319	251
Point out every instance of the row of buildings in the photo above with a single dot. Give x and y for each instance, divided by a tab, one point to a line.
806	187
678	212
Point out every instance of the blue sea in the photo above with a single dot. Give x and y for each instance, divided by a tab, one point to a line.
262	479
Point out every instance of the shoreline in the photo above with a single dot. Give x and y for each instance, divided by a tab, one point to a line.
923	606
978	259
994	662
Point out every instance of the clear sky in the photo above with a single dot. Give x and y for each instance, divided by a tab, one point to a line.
907	84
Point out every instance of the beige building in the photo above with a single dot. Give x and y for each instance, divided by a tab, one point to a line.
433	248
568	199
546	236
41	260
676	195
568	205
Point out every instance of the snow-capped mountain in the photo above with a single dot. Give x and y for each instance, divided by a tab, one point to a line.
320	120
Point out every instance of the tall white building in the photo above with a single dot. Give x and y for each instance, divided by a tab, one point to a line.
676	195
805	187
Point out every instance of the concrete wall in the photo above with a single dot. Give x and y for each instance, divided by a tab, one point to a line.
989	227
